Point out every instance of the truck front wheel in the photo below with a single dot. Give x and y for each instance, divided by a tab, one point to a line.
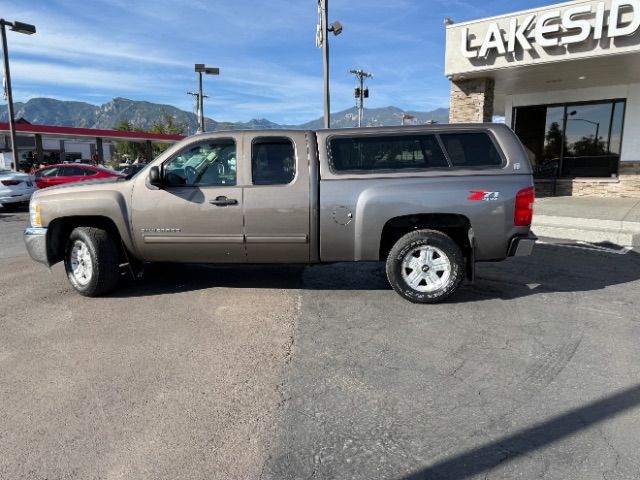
91	261
425	266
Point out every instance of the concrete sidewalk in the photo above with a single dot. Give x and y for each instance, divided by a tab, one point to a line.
589	219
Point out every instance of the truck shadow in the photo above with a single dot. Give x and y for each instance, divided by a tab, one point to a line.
552	268
484	458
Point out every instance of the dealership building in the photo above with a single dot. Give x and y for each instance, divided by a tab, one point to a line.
566	78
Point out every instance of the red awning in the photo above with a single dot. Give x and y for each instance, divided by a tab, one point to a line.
55	131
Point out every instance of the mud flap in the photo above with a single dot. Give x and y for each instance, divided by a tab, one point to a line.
471	259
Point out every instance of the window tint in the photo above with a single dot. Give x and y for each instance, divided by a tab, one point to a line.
89	172
273	161
47	172
205	164
71	171
393	152
468	150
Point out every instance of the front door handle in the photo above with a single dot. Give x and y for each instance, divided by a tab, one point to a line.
223	201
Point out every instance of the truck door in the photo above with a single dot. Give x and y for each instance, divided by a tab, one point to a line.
276	198
197	215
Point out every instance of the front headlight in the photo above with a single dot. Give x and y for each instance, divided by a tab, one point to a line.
34	213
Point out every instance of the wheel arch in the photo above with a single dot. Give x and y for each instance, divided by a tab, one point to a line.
456	226
59	229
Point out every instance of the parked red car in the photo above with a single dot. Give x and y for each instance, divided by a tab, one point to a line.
67	173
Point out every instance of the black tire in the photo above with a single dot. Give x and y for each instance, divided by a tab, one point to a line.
409	245
104	256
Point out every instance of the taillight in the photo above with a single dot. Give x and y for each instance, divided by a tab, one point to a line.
11	183
524	207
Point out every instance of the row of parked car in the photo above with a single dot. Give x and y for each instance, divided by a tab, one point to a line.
16	188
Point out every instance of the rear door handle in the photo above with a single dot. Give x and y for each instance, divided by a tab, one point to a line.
223	201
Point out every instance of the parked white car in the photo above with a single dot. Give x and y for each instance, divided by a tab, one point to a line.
15	187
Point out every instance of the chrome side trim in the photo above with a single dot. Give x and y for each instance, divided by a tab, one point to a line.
277	239
193	239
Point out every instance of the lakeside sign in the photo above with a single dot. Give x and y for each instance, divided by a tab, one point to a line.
556	28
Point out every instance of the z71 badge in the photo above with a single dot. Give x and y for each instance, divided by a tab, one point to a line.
482	196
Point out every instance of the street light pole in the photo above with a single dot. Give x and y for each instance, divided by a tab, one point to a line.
325	28
597	124
200	105
200	68
325	62
28	30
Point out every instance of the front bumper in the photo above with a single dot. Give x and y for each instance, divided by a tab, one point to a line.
522	246
36	241
16	197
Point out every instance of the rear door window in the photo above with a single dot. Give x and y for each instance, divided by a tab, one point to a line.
273	161
71	171
391	152
471	150
47	172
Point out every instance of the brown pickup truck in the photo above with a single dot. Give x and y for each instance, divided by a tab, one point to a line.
430	201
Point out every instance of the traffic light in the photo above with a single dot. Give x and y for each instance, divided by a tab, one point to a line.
366	93
358	92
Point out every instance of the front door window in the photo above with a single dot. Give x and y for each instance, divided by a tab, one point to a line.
210	163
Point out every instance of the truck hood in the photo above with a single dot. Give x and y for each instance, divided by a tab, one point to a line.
80	186
111	183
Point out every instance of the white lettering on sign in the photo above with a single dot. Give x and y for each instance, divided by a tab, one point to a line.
493	39
614	18
517	34
554	28
570	23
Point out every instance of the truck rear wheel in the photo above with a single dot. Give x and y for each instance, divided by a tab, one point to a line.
425	266
91	261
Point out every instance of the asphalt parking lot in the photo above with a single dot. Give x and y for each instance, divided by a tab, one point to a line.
322	372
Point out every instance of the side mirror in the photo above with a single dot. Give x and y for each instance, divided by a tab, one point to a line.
155	178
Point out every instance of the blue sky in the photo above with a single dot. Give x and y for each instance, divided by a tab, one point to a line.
95	50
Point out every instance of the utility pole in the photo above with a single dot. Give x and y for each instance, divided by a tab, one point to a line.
361	92
200	123
200	68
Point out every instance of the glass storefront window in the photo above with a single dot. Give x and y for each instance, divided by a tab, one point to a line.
572	140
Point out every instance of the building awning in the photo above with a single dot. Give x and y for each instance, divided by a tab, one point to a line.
80	133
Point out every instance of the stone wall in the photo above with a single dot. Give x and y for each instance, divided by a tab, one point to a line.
626	185
471	100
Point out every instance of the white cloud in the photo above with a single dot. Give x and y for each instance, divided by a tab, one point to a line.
61	38
44	73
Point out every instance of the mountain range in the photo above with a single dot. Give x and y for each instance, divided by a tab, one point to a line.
49	111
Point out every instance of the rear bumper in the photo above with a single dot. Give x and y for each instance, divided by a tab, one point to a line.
36	241
16	197
522	246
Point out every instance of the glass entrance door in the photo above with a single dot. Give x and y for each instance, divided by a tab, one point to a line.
572	140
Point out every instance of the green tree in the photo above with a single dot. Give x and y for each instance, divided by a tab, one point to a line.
166	126
553	142
587	146
132	150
